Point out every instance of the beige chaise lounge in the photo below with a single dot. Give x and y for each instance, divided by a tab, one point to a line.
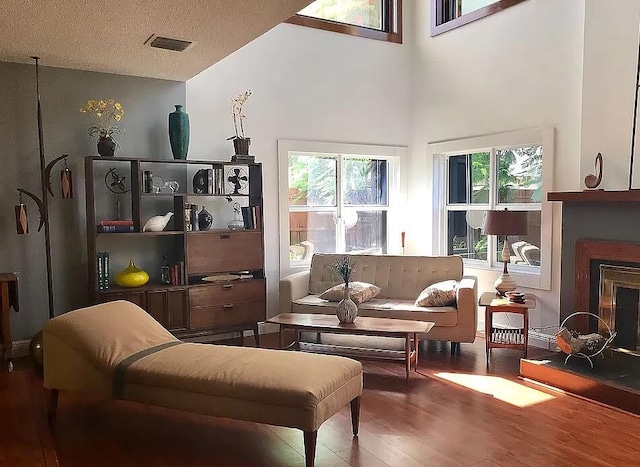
117	350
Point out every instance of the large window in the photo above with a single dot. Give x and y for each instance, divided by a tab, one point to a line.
451	14
339	198
496	172
374	19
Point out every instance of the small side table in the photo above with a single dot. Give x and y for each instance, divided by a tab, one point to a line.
8	300
505	338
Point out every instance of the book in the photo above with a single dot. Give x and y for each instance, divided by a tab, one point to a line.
247	217
210	187
218	183
105	277
115	228
100	270
258	210
116	222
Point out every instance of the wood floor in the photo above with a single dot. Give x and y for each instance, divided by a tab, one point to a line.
453	413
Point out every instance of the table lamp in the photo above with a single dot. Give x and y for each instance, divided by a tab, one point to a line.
505	223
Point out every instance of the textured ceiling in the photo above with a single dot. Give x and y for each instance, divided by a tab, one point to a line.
109	36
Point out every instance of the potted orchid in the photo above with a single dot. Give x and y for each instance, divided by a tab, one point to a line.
106	114
240	143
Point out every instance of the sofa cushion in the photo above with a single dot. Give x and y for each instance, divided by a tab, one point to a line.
399	277
438	294
359	292
382	308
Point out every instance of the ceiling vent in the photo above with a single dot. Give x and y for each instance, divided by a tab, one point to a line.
168	43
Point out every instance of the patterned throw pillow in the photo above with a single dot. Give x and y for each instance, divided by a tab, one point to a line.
359	292
438	294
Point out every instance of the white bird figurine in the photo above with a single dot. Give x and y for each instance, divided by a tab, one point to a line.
157	223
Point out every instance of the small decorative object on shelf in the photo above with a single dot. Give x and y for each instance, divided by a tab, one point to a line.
240	143
165	271
157	223
205	219
347	310
106	115
585	346
238	180
179	133
132	276
187	217
201	182
147	181
593	181
116	184
237	223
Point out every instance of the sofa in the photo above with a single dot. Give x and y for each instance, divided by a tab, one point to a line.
119	351
401	280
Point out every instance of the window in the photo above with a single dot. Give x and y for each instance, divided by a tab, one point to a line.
337	198
374	19
451	14
510	170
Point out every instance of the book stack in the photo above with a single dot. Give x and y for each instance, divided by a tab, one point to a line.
251	217
242	158
177	274
103	270
115	226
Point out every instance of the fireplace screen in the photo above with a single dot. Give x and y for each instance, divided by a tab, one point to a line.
619	305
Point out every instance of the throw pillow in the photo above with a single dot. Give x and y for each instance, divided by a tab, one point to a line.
359	292
438	294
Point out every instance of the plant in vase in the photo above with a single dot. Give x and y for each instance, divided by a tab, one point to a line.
106	115
347	310
240	143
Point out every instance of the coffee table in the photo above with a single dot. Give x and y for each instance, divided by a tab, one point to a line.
386	327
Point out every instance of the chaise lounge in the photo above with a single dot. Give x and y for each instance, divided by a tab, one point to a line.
119	351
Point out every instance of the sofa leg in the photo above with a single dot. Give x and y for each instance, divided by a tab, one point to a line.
455	348
355	415
52	407
310	438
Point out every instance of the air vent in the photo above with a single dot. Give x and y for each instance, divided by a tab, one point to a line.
168	43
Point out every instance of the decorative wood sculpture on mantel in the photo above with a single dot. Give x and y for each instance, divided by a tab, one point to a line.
593	181
42	203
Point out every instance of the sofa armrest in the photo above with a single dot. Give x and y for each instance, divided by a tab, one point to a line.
292	288
467	304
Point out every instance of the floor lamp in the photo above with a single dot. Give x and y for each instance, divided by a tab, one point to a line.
505	223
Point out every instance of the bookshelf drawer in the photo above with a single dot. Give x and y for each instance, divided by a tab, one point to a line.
226	315
209	252
233	292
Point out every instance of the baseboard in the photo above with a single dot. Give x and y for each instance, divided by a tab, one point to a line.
20	349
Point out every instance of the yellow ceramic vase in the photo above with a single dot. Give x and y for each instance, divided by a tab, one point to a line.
131	276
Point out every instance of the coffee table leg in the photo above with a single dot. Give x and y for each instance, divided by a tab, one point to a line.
407	355
416	349
281	336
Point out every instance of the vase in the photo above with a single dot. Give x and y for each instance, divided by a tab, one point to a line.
131	276
106	146
179	133
347	310
205	219
241	146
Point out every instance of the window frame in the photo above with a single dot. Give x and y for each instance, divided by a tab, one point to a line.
438	13
439	153
396	180
391	19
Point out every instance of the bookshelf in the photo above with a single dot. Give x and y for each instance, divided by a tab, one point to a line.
192	307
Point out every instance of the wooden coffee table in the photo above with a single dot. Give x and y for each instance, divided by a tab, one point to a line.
386	327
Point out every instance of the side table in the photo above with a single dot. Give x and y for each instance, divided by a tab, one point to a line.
8	300
506	338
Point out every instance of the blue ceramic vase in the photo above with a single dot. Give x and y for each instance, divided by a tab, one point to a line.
179	133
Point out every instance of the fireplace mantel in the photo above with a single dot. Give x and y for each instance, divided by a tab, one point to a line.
595	196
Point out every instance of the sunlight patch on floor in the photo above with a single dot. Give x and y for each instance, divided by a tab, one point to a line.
502	389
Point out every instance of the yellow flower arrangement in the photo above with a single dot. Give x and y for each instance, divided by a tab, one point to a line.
106	115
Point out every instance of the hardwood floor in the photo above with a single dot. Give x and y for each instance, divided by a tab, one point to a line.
486	418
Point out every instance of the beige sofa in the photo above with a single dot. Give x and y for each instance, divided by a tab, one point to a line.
401	279
119	351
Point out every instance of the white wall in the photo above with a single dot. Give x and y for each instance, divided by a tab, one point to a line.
520	68
307	84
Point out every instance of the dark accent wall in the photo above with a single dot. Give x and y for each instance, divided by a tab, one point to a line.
146	102
596	221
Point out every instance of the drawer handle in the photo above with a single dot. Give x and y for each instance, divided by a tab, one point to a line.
228	306
227	286
225	236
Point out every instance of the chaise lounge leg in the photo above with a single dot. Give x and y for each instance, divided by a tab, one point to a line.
310	438
455	348
52	407
355	415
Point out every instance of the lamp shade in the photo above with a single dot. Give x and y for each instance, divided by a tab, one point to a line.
505	223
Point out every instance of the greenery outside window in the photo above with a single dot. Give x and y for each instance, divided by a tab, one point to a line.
496	172
373	19
451	14
336	198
